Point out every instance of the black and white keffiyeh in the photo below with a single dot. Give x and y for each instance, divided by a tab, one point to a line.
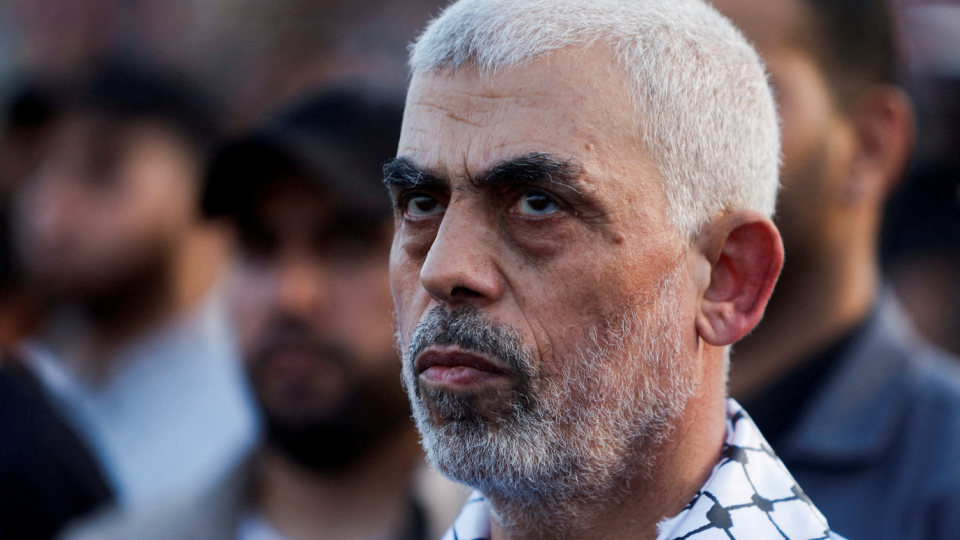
749	496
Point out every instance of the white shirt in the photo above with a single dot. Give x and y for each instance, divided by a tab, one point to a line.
253	526
173	418
750	495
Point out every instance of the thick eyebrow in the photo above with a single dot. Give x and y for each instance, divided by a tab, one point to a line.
534	168
403	173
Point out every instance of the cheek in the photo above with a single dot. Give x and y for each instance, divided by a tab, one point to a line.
805	109
251	294
138	218
157	194
584	290
410	299
414	239
539	242
363	311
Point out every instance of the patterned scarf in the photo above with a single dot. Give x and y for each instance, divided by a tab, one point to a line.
750	495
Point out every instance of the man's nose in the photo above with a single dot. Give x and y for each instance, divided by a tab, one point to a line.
461	267
303	288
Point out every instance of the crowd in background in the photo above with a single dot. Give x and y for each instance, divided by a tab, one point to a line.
119	250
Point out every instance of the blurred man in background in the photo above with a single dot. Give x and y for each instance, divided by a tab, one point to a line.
865	414
105	223
48	475
312	300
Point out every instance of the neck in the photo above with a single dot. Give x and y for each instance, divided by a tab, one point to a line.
819	298
372	501
671	474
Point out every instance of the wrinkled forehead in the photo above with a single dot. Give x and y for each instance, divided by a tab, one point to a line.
571	104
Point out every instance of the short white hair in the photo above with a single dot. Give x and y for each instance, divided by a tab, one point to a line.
704	108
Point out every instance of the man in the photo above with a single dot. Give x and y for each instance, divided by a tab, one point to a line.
48	476
582	195
137	353
311	294
864	413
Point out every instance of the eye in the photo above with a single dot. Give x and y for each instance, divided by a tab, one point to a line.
536	203
424	205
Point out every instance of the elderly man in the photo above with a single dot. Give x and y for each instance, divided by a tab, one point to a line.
582	195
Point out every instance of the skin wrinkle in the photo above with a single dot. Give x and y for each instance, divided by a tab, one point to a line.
464	120
572	387
599	310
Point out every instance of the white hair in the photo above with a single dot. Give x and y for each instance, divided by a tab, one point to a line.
704	107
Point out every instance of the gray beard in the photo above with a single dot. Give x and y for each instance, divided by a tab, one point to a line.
561	444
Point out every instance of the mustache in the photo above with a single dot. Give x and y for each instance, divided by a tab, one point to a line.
286	333
467	328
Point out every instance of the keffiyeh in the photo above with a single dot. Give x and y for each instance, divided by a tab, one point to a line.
750	495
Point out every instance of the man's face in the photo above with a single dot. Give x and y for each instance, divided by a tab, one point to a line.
817	139
106	202
313	306
540	291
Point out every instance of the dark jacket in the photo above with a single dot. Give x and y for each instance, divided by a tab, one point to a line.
48	476
878	449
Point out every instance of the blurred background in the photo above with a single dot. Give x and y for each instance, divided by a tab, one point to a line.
921	237
253	53
253	56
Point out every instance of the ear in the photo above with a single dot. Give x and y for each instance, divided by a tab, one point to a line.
885	129
740	256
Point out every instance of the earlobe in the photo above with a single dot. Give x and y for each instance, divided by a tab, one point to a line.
744	253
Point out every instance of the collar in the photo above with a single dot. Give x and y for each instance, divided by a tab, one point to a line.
779	407
750	495
857	412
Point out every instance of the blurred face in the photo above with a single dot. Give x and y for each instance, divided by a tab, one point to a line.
541	305
313	306
106	203
817	140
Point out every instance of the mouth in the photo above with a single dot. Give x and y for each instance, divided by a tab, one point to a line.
299	362
456	369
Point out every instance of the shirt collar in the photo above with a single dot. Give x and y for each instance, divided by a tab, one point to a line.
857	414
749	495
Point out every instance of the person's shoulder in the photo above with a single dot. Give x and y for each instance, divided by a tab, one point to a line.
935	377
211	515
181	520
112	524
930	428
925	373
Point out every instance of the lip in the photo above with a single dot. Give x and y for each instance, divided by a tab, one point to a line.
457	368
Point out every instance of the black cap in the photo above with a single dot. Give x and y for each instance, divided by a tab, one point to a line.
338	139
